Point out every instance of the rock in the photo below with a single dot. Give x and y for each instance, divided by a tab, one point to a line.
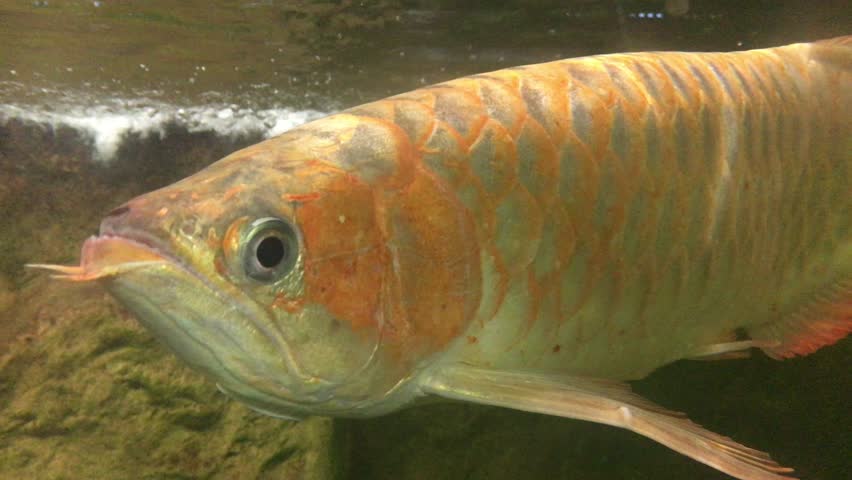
94	396
7	294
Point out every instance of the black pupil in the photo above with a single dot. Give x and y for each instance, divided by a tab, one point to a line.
270	252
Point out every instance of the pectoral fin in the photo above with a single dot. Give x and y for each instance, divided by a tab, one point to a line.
602	401
733	350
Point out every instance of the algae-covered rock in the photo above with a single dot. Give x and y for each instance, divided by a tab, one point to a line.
94	396
7	294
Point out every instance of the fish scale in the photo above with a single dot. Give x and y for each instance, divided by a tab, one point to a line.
709	194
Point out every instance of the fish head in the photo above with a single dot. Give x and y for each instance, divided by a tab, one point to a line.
269	273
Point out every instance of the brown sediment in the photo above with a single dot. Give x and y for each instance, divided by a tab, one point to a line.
7	295
90	394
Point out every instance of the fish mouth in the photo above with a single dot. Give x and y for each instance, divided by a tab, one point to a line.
108	255
113	253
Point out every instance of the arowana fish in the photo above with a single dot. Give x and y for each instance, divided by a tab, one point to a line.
529	238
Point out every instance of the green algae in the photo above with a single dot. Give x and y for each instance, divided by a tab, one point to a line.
96	397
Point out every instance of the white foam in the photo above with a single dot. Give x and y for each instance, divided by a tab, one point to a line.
109	122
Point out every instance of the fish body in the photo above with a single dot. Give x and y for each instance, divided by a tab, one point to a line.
526	238
647	205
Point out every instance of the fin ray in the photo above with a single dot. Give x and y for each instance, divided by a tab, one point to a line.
733	350
607	402
823	321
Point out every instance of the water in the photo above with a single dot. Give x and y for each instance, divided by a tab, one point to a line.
101	101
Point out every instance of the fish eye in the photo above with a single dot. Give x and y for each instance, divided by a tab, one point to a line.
270	249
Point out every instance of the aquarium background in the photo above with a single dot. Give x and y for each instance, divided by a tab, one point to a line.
104	100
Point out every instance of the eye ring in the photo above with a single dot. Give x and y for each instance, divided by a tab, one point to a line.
269	250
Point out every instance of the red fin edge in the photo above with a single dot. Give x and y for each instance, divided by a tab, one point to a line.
825	321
